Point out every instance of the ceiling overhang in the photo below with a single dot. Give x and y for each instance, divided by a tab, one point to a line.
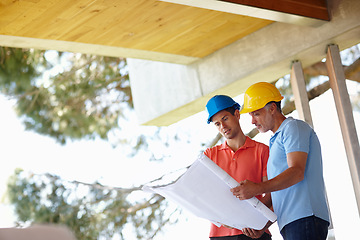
264	55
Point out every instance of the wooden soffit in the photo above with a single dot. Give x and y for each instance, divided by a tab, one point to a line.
144	29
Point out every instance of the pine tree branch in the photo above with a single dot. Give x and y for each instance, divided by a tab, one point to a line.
145	204
103	187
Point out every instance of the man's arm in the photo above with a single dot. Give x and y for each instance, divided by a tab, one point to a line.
292	175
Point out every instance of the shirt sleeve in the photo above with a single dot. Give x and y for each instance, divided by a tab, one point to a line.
296	137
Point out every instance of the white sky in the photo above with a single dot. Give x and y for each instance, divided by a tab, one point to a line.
93	160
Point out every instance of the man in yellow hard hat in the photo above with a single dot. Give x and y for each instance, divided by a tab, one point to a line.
295	174
241	157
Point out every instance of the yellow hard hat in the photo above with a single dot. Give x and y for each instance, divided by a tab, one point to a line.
258	95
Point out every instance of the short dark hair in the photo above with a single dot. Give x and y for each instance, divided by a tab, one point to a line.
231	110
278	105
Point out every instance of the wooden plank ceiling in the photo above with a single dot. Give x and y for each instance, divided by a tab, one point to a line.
146	25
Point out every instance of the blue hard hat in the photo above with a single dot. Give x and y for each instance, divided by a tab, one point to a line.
218	103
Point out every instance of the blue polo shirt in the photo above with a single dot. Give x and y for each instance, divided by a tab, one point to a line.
307	197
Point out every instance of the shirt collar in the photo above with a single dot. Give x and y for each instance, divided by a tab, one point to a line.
248	144
286	121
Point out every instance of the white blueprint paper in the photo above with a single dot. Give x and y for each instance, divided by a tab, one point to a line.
204	190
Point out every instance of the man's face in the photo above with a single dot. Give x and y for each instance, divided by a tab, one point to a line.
262	119
227	124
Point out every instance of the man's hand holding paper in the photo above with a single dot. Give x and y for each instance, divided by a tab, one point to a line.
246	190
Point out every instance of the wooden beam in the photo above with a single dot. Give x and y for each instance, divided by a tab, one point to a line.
299	90
308	8
298	13
345	114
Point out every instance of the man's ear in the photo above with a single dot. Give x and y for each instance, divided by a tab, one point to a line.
237	114
273	107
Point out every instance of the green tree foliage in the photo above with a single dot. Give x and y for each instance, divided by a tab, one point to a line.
91	211
76	96
66	95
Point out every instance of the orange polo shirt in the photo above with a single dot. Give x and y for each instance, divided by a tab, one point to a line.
248	162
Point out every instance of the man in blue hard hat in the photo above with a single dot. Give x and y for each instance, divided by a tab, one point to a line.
241	157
